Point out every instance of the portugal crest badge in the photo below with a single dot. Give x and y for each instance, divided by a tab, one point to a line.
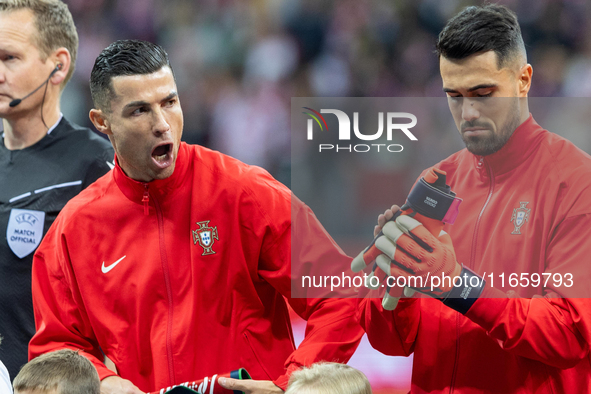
520	216
206	236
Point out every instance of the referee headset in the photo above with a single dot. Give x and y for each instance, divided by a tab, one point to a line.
17	101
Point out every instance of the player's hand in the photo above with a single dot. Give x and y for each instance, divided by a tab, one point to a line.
118	385
384	217
367	256
392	295
250	386
377	276
414	251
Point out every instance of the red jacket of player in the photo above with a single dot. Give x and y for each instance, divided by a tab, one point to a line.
521	339
185	277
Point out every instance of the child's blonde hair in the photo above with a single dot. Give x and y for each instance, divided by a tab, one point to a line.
66	371
328	378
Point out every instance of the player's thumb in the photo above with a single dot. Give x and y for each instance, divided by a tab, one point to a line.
232	384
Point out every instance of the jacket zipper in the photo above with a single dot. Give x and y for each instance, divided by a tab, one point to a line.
491	188
454	371
490	192
146	200
164	261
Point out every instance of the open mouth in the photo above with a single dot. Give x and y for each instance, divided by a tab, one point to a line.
162	155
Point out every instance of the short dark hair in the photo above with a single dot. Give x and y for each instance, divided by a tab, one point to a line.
54	24
475	29
65	370
123	57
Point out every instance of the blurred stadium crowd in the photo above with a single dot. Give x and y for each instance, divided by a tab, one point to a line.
238	63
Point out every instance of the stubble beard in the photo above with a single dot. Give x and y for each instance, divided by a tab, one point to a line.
484	145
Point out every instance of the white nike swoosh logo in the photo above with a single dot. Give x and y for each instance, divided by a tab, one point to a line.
110	267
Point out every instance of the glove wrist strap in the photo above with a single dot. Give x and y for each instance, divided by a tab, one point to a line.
462	297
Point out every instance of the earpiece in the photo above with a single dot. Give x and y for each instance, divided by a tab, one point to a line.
17	101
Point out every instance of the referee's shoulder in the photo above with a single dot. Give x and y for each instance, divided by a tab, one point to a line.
91	199
83	140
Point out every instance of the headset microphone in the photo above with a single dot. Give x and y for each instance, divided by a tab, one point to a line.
16	102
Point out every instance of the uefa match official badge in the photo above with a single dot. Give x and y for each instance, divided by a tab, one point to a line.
519	217
206	236
24	231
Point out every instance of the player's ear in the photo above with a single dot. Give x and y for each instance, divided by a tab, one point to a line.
100	121
525	76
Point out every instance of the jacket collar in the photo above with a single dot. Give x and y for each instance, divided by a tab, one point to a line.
55	132
135	190
521	145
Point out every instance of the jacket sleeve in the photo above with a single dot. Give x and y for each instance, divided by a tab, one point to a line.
298	240
556	328
60	318
390	332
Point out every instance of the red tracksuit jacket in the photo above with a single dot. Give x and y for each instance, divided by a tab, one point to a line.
513	339
185	277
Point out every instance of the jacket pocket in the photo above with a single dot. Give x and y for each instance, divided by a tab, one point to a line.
255	358
267	353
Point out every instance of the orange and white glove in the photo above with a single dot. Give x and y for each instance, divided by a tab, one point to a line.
427	263
432	202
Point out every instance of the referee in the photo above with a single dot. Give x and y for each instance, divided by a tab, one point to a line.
44	159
